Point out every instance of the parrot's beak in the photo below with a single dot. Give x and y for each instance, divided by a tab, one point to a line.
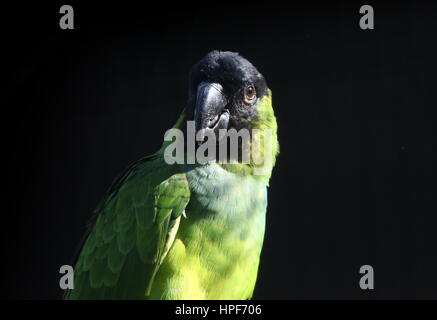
210	113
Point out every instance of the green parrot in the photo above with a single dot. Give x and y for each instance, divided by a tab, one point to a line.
188	231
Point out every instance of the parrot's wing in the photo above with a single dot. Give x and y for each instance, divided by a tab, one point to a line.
134	228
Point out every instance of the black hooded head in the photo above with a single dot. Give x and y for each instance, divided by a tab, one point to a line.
224	89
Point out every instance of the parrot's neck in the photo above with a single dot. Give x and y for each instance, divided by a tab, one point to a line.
264	145
262	149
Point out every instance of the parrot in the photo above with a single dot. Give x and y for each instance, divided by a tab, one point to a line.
185	231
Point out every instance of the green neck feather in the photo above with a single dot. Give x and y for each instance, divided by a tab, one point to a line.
264	146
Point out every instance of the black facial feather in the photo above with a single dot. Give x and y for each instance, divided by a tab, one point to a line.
234	73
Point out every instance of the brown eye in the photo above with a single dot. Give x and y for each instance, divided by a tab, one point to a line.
249	95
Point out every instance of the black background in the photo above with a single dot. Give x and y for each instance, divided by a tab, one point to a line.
355	182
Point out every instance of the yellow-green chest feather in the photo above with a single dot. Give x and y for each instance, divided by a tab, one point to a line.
216	251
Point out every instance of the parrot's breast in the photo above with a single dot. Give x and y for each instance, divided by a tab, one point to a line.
216	251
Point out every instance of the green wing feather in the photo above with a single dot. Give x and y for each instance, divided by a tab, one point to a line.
130	235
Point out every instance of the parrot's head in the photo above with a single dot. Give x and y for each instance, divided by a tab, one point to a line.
224	92
227	92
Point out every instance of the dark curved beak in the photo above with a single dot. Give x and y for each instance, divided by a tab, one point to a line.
210	113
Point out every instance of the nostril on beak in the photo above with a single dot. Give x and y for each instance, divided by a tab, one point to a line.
212	122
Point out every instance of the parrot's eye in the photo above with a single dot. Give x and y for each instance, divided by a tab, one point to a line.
249	95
